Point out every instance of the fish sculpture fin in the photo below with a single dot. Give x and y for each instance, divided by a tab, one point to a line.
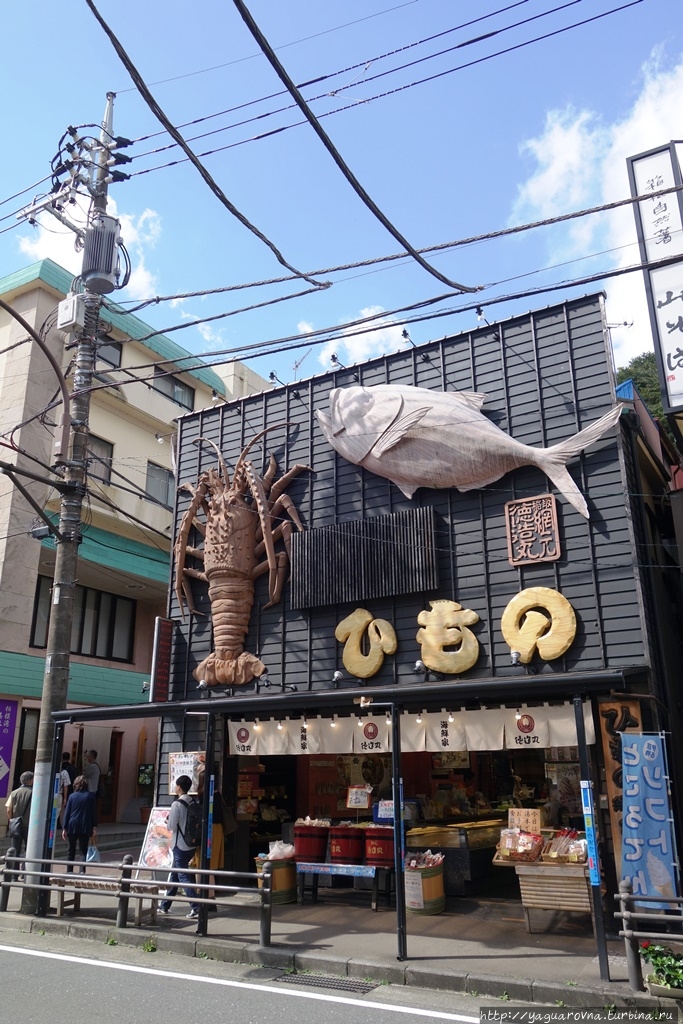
475	399
553	461
397	431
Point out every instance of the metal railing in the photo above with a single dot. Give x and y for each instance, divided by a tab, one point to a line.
631	917
129	880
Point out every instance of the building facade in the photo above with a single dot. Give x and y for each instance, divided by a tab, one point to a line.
499	601
128	512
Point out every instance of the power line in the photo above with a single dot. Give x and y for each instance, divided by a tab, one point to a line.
321	78
283	46
292	342
334	153
175	134
440	247
369	99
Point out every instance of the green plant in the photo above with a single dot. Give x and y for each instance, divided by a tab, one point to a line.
149	945
667	966
505	997
474	993
560	1002
203	955
572	983
112	942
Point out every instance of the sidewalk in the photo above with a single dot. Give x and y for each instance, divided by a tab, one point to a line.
476	946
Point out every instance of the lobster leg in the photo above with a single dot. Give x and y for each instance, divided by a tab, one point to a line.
285	480
275	590
286	503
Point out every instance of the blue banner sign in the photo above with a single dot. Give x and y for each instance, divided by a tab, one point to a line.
647	844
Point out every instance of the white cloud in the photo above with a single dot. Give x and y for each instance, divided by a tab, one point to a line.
581	161
385	337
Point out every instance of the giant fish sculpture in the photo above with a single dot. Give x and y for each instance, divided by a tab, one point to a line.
421	438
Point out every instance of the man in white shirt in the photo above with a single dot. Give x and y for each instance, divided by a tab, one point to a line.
92	771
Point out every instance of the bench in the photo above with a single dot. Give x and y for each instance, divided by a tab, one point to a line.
554	887
304	868
76	884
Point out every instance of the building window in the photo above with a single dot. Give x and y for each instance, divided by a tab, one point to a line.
99	463
109	352
167	384
160	484
103	624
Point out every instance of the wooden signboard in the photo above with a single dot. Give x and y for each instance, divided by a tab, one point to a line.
616	716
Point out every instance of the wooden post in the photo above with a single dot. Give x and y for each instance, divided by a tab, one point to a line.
126	873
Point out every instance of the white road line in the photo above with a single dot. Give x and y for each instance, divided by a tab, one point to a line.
273	989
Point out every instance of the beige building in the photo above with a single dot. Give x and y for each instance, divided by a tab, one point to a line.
124	559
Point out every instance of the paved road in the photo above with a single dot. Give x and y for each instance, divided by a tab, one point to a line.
46	977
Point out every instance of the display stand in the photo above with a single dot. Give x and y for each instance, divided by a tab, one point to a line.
554	887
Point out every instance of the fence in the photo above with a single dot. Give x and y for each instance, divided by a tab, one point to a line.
671	927
131	881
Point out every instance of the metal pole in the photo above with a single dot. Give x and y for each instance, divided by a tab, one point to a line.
124	898
57	653
397	793
207	801
633	961
591	839
51	822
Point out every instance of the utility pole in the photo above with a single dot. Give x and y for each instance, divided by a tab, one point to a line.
79	312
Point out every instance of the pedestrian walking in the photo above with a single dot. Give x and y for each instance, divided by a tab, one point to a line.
183	850
80	820
18	809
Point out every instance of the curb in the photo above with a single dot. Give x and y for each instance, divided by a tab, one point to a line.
520	990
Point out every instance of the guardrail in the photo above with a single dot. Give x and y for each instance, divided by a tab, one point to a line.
632	934
119	882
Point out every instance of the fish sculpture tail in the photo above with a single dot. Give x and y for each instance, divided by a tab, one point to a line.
553	461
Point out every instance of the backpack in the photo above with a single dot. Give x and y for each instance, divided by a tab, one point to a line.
192	833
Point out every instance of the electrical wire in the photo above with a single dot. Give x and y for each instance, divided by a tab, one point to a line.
297	341
175	134
321	78
283	46
390	92
24	190
442	246
360	191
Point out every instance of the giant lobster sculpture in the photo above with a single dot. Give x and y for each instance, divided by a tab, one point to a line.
241	521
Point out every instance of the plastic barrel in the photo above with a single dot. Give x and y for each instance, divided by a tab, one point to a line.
379	847
346	844
310	843
284	879
433	899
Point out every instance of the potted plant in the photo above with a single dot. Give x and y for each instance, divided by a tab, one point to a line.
666	978
145	789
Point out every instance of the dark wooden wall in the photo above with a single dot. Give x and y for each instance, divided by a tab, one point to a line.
547	375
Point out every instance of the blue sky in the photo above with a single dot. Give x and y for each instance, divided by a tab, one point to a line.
528	134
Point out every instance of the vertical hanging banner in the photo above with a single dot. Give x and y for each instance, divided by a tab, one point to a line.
648	854
442	734
8	727
660	234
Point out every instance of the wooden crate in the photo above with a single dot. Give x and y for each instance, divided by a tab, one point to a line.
554	887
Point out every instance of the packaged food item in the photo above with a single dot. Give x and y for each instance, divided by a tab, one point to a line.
424	859
519	845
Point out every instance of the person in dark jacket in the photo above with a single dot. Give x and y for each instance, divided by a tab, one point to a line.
80	819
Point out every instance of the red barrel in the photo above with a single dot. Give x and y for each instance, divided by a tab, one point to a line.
379	847
346	844
310	843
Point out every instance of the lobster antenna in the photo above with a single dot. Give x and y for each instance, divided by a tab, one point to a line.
221	460
258	438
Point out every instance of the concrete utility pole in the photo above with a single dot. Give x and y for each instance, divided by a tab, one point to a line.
99	275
